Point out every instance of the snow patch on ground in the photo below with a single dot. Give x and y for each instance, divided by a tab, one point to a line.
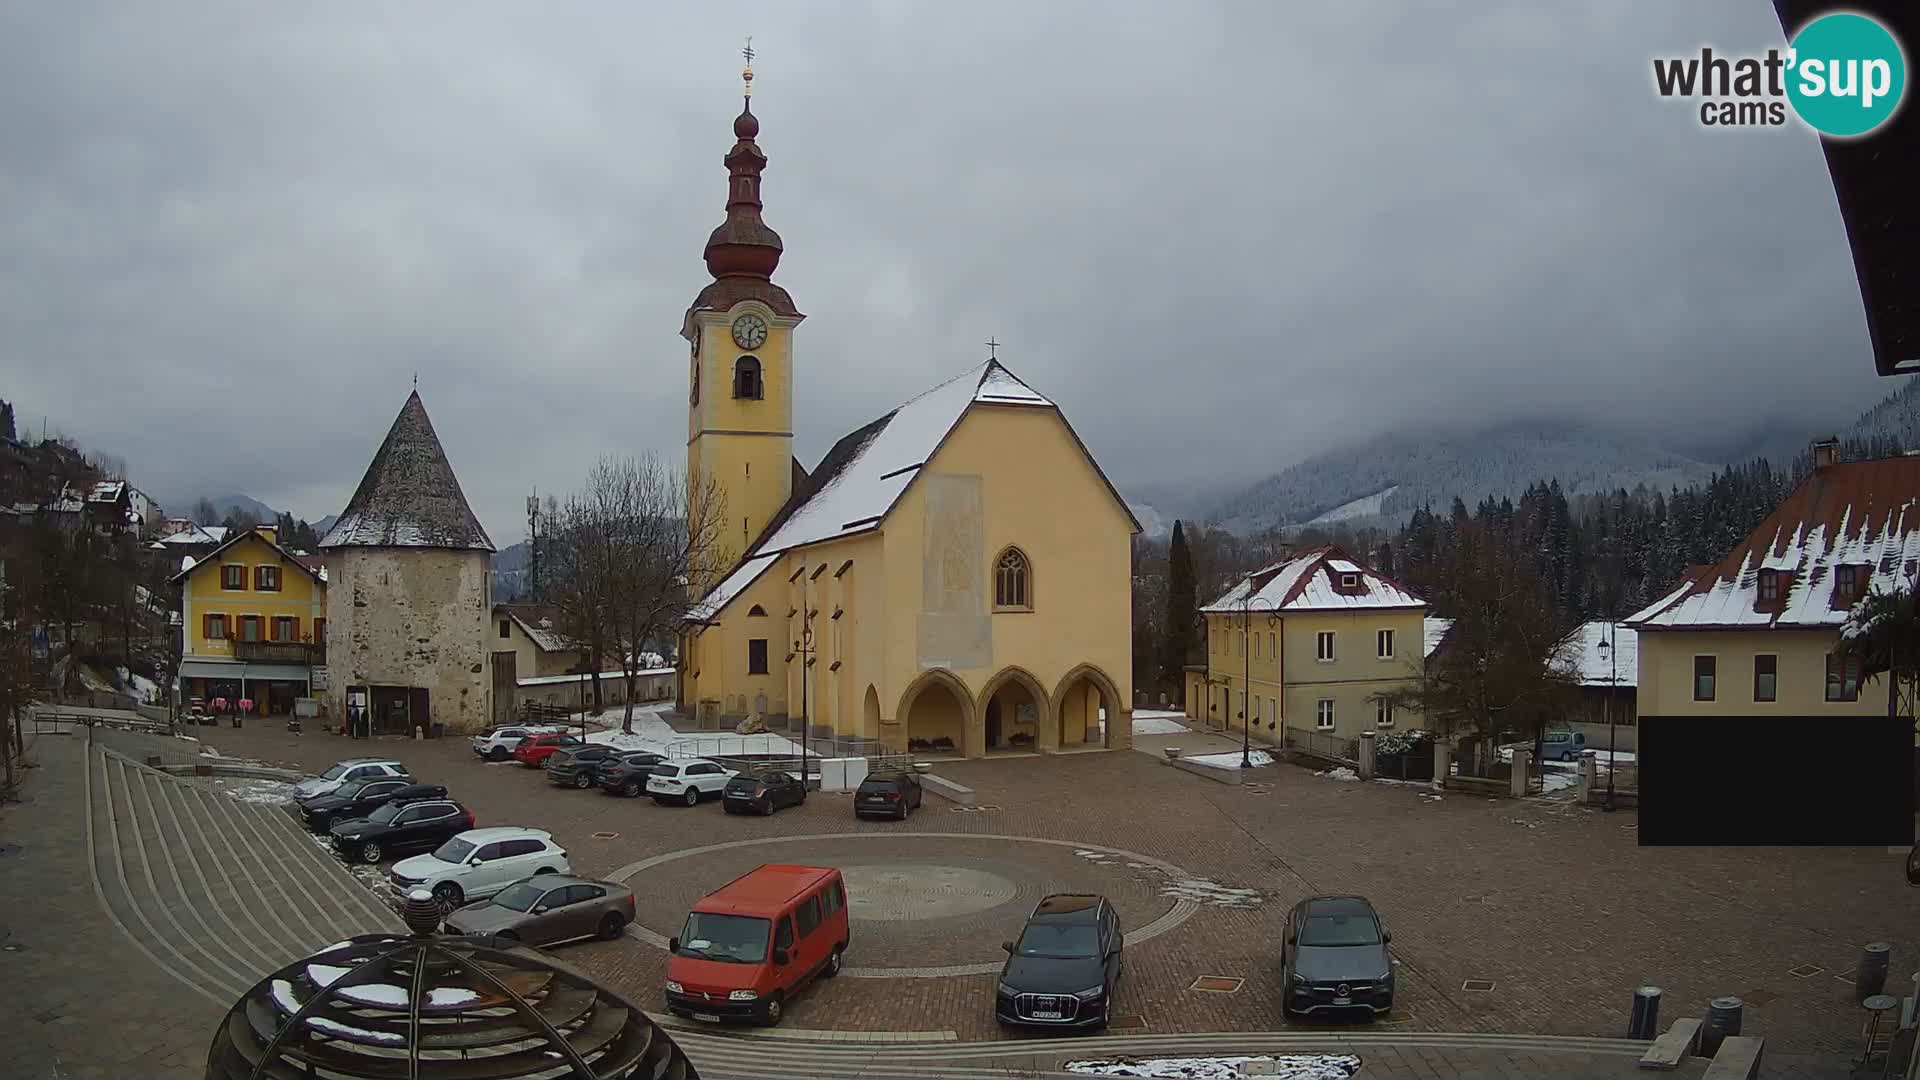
1284	1067
1231	759
268	792
654	735
1364	506
1212	893
1342	774
1154	722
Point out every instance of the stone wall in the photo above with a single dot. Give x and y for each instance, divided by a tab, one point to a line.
411	617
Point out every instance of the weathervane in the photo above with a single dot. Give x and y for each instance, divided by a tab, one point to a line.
747	73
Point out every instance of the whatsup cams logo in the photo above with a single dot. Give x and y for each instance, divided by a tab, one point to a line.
1843	75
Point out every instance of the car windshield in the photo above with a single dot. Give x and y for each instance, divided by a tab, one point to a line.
335	773
351	788
520	896
455	850
1060	941
1339	930
737	939
386	814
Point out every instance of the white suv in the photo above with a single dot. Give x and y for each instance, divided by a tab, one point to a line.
478	863
687	780
361	768
498	744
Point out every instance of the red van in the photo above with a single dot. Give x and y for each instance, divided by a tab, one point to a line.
749	945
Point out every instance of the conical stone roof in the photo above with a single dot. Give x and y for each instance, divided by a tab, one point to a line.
409	496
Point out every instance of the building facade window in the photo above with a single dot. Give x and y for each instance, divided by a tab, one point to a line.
1843	678
1383	644
215	628
1349	581
1769	586
746	378
1273	647
1703	671
233	578
1766	678
266	578
1273	711
1846	583
1323	714
285	628
320	631
249	628
1323	645
1382	713
506	629
757	656
1013	581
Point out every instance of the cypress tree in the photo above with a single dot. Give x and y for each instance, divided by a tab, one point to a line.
1182	611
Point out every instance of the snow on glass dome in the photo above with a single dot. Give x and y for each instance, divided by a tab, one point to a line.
428	1006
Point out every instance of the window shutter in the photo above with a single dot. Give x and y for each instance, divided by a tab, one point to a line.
206	627
259	578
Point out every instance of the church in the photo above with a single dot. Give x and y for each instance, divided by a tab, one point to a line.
954	577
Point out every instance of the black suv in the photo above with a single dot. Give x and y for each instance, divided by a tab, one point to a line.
887	794
579	766
762	792
1335	959
397	828
358	798
1063	969
628	775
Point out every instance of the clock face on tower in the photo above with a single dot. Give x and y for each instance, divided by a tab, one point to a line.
749	331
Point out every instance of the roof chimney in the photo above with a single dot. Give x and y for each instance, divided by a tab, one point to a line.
269	533
1825	450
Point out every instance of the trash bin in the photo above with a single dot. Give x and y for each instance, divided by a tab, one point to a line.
1723	1019
1871	976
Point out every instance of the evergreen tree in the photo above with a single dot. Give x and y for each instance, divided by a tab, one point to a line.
1183	616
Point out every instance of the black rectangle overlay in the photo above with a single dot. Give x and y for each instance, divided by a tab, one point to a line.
1727	781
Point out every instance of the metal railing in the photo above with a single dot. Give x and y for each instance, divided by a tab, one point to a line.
1324	744
280	652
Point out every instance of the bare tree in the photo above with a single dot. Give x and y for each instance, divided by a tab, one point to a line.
580	565
205	513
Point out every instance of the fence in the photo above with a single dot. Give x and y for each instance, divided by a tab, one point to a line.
1408	766
1325	745
773	745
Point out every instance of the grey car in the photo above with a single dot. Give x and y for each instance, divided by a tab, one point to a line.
1335	958
548	909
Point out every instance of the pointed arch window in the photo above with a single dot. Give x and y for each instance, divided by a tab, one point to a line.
1012	581
746	378
757	610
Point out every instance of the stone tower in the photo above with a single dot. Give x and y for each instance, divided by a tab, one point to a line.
408	590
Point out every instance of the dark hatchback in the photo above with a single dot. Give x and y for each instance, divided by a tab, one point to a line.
627	774
358	798
1335	958
579	766
400	828
1063	969
890	794
762	792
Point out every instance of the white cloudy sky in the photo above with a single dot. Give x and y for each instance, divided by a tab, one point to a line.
1224	236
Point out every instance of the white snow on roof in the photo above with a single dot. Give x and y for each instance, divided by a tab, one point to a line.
544	636
1436	632
1306	583
1617	665
744	575
1000	386
1343	566
197	534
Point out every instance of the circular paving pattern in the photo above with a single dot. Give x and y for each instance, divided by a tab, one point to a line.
923	905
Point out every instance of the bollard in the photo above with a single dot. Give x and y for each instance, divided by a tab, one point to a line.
1870	977
1644	1021
1723	1019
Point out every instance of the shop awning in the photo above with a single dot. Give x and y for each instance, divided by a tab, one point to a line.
219	669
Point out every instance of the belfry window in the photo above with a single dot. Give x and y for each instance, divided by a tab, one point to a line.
746	378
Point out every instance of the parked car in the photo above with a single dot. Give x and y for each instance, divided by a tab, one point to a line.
1562	745
358	798
480	862
548	909
749	945
762	792
1335	957
397	828
362	768
887	794
1062	970
498	744
687	780
534	750
579	766
628	774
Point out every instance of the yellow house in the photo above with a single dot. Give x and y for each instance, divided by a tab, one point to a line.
954	576
1754	634
254	622
1306	648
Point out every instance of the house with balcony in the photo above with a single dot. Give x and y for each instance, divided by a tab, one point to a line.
1309	651
253	620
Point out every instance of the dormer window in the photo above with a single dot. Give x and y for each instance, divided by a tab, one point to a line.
1769	586
746	378
1846	583
1349	581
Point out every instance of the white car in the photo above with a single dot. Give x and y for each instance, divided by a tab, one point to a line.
362	768
498	744
687	780
478	863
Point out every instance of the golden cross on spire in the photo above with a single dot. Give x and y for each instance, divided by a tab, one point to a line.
747	73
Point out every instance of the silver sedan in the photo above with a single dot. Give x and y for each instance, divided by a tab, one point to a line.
548	909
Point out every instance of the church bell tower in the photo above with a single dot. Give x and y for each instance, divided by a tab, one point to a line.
740	334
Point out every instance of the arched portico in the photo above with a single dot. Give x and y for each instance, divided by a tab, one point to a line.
1014	712
1078	702
937	712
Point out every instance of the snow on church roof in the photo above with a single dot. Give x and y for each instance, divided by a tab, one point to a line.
1305	583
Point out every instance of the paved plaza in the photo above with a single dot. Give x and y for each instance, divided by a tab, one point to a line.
1552	905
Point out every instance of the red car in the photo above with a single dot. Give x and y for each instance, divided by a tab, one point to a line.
534	750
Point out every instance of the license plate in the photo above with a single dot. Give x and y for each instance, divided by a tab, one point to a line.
738	795
708	1017
1342	1001
1046	1014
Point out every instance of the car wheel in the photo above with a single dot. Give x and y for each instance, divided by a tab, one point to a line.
447	895
611	925
583	781
370	851
900	814
834	964
630	789
771	1012
766	808
1568	756
693	796
498	753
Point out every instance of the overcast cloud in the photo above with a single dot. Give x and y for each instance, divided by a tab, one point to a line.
1224	236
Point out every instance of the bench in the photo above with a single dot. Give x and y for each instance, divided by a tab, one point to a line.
1737	1059
1678	1042
947	789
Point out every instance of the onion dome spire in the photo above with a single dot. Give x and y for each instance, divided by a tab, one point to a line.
743	245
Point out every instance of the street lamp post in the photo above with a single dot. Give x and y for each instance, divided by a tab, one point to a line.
803	648
1246	664
1610	646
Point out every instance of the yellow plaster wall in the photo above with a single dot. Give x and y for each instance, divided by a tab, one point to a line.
745	444
1352	680
1666	674
299	596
